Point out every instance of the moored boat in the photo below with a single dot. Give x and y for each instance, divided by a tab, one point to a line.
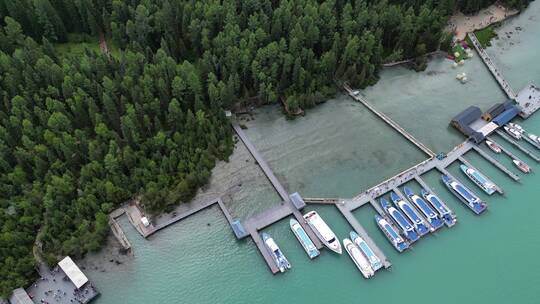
304	239
403	223
323	232
432	217
522	166
468	197
280	259
513	132
391	234
358	258
479	179
534	138
416	219
448	216
516	127
373	259
494	147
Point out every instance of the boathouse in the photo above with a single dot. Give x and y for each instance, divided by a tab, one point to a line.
463	122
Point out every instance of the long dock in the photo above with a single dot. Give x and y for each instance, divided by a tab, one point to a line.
260	160
272	215
496	163
468	164
358	97
492	67
526	151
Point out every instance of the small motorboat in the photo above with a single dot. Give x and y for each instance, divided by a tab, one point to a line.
513	132
280	259
522	166
494	147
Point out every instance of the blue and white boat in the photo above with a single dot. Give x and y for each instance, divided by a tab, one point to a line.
391	234
448	216
479	179
304	239
432	217
373	259
417	220
465	195
280	259
406	227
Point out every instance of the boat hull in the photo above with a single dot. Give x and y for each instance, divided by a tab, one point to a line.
479	179
391	234
304	239
465	195
446	214
323	232
373	259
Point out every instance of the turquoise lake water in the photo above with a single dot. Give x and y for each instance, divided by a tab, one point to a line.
338	150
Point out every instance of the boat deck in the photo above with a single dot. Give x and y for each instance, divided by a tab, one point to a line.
466	163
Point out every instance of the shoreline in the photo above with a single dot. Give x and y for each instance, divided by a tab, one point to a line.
461	24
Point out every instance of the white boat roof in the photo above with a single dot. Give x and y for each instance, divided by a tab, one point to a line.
321	226
357	255
73	272
271	244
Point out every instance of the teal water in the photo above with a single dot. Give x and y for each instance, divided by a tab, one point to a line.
339	149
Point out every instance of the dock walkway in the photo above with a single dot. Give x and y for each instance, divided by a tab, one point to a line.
496	163
492	67
358	97
261	162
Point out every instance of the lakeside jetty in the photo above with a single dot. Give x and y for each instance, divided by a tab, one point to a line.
473	124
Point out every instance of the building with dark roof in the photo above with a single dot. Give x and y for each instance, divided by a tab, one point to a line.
463	122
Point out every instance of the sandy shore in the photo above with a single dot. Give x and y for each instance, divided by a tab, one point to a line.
462	24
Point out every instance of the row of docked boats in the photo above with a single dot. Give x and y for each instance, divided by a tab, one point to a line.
409	219
358	249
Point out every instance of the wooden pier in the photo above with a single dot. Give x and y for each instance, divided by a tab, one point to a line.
358	97
261	162
492	67
517	145
466	163
275	214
